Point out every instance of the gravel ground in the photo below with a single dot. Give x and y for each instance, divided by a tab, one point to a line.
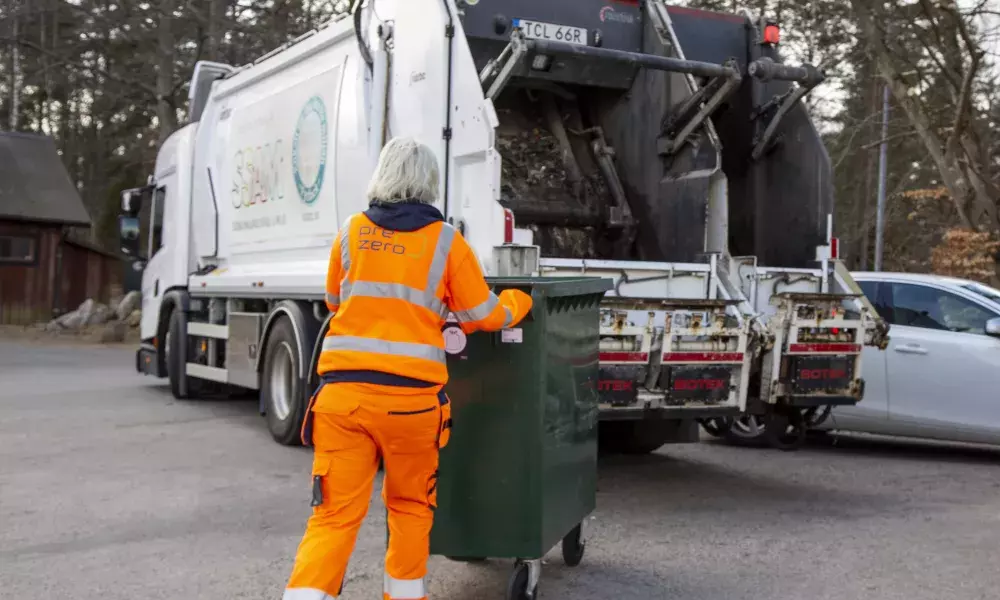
109	488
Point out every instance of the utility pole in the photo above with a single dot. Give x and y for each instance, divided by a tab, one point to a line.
882	168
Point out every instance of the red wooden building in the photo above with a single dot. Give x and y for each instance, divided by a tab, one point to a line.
44	270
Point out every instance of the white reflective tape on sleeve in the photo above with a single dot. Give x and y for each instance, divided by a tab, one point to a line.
403	349
480	312
405	589
331	299
509	319
305	594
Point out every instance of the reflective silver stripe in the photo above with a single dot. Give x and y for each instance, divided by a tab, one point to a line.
440	261
509	319
404	589
480	312
331	299
363	344
305	594
345	256
372	289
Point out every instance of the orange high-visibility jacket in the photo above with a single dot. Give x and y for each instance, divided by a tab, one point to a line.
396	271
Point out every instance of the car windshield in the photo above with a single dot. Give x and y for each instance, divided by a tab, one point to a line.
984	291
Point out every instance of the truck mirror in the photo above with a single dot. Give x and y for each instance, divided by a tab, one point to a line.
133	199
128	234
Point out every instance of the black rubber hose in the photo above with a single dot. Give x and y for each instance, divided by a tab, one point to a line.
362	45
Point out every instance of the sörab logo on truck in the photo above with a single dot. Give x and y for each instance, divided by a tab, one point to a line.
309	148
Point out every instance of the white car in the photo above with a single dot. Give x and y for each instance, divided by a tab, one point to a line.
939	377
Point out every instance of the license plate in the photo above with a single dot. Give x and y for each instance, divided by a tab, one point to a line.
536	30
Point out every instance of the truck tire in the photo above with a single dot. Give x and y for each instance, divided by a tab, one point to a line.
749	431
282	390
175	346
634	437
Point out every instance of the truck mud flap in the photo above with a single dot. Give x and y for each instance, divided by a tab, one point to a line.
817	374
707	383
618	386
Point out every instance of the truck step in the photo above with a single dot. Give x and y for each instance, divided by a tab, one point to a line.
218	332
209	373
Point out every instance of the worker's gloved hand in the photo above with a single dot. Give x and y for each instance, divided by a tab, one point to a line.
518	302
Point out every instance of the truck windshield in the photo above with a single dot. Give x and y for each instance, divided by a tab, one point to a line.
984	291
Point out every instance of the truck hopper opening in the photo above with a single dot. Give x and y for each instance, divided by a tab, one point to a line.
608	130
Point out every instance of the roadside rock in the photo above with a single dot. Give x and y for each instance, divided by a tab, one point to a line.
85	311
71	320
110	333
129	304
100	315
134	318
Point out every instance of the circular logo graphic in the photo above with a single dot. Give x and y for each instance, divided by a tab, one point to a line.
309	147
454	340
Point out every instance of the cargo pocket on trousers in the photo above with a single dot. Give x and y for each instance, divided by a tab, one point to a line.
320	471
444	428
306	433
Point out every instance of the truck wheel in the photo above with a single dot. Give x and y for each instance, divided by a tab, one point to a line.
748	430
175	344
786	430
281	387
633	437
716	427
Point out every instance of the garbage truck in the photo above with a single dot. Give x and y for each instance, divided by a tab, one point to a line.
661	147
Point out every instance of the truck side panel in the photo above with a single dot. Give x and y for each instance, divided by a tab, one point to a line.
286	146
268	153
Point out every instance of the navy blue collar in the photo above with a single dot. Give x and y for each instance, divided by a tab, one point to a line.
403	216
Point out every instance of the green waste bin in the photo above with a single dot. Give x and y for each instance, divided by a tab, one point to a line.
520	472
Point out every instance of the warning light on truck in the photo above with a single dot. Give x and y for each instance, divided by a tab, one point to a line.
772	35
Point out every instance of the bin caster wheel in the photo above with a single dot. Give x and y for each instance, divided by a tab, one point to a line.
519	587
573	547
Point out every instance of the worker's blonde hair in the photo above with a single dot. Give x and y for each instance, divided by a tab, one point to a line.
407	171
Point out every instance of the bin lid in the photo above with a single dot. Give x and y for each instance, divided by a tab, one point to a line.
556	286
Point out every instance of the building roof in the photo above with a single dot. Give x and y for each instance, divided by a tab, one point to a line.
34	184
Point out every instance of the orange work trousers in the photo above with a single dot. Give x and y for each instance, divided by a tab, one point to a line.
353	426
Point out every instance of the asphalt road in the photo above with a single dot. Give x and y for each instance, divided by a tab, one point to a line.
111	489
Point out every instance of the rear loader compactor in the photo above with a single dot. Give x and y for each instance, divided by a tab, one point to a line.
646	143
